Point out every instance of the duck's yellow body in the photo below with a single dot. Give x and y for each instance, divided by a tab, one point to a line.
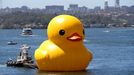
64	50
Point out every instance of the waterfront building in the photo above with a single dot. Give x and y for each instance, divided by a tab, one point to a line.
97	9
76	8
54	8
73	7
106	5
117	3
83	9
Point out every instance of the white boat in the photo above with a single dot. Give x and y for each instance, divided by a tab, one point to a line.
27	31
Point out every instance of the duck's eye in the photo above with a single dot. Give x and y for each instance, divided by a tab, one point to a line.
62	32
83	32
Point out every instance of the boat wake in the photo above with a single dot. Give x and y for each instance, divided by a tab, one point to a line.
106	31
29	35
2	65
86	41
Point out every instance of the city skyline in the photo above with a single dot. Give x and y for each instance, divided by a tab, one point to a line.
43	3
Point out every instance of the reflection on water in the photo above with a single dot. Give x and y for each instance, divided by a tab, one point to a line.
91	72
65	73
99	71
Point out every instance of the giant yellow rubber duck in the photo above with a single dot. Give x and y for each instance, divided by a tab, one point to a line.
64	50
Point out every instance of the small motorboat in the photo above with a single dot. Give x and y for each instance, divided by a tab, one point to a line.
11	43
27	31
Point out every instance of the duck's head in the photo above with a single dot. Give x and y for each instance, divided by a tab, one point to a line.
65	29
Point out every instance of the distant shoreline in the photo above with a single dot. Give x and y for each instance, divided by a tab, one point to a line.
84	27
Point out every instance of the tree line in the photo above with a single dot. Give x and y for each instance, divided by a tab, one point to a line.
40	20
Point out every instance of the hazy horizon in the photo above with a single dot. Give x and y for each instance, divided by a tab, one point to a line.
43	3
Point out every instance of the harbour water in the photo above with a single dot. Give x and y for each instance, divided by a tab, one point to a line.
113	50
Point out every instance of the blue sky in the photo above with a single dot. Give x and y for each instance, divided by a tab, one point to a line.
43	3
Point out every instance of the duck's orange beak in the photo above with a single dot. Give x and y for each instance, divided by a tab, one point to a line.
74	37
